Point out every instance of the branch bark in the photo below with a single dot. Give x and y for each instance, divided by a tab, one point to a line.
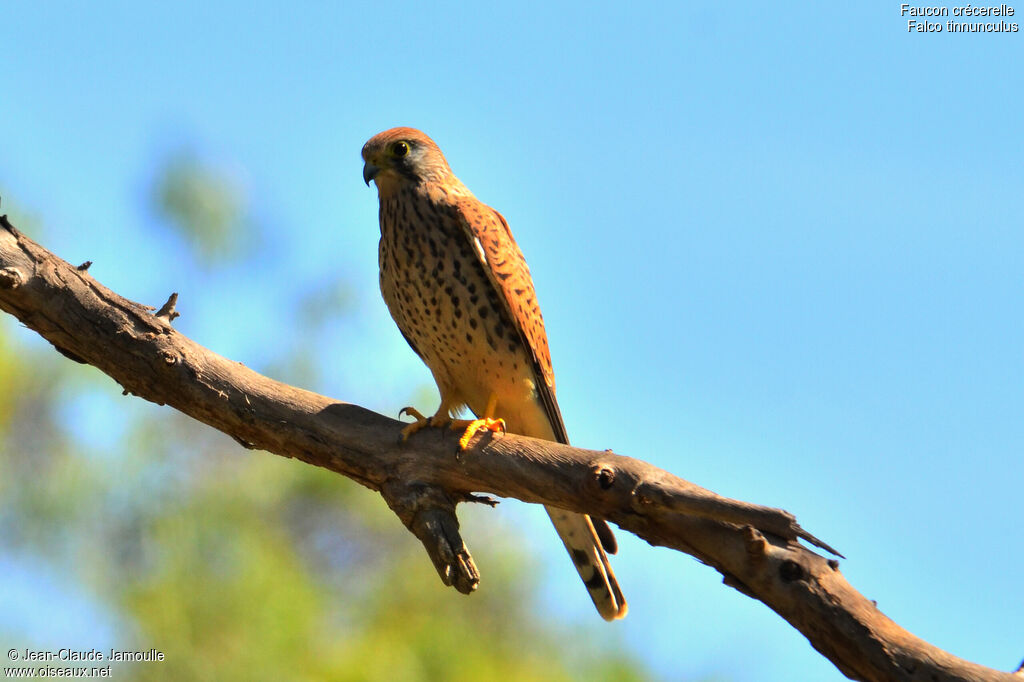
755	548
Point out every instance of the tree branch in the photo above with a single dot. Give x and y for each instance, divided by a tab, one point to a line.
755	548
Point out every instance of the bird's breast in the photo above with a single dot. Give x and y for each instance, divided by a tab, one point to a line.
443	300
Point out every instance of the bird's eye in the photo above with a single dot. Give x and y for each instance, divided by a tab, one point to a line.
400	149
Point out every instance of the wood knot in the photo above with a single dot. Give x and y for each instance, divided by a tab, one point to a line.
11	278
606	478
791	571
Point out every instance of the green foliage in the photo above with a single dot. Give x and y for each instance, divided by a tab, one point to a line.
204	205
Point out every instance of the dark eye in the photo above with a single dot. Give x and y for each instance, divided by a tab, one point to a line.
400	149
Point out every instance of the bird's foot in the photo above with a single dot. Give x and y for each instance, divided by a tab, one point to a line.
438	420
474	425
420	423
441	419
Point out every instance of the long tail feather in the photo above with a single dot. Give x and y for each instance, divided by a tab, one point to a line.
582	542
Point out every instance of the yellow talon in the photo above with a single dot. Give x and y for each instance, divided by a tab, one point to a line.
441	419
438	420
493	425
421	422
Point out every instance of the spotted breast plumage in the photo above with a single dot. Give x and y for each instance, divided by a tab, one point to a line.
459	289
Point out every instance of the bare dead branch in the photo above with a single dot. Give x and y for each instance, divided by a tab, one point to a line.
167	313
429	512
755	548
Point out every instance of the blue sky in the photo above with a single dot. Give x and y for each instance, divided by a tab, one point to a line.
779	251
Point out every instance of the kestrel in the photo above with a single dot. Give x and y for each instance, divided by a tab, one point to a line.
459	289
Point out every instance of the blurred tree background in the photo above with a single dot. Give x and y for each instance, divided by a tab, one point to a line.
127	525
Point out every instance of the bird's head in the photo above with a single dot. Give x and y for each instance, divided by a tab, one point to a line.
403	156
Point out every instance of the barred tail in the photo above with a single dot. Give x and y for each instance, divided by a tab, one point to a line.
584	546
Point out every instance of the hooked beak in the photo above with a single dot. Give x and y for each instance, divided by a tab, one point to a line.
369	172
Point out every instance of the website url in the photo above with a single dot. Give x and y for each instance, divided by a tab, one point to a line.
50	671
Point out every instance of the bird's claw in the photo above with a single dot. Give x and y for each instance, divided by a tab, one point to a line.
439	420
412	428
472	426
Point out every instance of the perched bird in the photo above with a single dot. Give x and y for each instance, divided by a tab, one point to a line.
459	289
